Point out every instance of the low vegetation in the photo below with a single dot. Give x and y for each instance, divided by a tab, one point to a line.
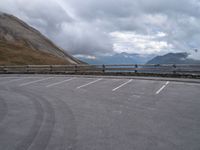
14	54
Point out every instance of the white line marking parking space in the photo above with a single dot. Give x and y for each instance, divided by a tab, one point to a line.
129	81
186	84
2	78
57	83
24	84
162	88
13	80
89	83
19	77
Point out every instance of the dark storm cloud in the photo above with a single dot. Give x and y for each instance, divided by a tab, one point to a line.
93	27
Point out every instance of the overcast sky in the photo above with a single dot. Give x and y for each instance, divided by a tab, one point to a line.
96	27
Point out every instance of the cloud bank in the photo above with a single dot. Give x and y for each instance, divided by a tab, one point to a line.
93	27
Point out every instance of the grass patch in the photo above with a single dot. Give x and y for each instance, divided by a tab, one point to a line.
15	54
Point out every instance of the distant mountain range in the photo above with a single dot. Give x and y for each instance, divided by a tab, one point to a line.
173	58
22	44
125	58
118	58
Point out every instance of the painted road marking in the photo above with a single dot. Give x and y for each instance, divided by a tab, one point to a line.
89	83
187	84
13	80
24	84
129	81
162	88
57	83
18	77
1	78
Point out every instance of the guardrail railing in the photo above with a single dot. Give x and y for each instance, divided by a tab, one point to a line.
162	69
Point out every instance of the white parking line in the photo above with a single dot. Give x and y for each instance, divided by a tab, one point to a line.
162	88
129	81
13	80
1	78
18	77
186	84
57	83
24	84
88	83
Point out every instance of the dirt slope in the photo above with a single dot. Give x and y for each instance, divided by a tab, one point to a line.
18	38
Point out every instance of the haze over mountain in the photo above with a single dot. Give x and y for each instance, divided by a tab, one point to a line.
125	58
173	58
98	27
117	58
22	44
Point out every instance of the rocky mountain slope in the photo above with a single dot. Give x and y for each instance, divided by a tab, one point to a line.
18	39
173	58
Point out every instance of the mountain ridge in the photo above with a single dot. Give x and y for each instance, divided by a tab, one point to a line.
16	32
119	58
173	58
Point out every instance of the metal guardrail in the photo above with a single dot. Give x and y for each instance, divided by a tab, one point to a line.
164	69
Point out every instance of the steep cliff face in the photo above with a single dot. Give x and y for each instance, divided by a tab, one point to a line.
14	31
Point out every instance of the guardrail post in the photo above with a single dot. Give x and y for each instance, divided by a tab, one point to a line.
136	66
51	68
174	69
104	67
157	65
76	68
27	68
65	68
4	69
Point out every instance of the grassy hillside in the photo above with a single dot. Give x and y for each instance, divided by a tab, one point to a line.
15	31
13	54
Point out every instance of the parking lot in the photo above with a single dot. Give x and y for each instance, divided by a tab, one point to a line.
52	112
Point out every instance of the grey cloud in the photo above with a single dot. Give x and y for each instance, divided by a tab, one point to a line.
90	9
80	38
48	17
84	27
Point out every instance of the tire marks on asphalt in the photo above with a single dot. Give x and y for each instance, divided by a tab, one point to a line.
28	140
70	127
41	131
3	109
42	139
45	131
14	124
65	133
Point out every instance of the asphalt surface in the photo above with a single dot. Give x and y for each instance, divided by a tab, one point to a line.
47	112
